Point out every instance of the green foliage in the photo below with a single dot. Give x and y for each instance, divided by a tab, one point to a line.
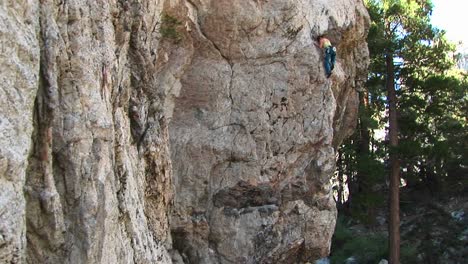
409	253
169	28
432	105
433	131
432	119
366	248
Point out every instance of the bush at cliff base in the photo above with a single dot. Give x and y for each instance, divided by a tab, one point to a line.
365	246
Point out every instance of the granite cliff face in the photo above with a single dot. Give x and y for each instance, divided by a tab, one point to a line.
194	131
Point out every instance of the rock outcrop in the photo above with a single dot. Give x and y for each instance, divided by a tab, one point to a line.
255	127
86	172
206	129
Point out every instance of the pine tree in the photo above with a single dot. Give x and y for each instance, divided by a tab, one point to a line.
409	81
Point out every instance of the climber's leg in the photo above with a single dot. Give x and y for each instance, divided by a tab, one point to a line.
333	57
327	63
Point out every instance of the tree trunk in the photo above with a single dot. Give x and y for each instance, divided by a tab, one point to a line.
394	199
341	183
364	135
362	150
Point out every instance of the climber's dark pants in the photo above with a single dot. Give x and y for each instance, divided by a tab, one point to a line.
329	61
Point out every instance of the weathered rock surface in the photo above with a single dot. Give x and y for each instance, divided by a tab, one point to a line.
131	128
83	133
19	79
255	127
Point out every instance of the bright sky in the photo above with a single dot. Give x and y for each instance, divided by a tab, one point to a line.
451	15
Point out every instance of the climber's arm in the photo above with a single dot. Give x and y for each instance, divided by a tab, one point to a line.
320	43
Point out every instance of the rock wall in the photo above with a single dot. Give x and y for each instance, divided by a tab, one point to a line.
19	80
131	129
86	173
256	125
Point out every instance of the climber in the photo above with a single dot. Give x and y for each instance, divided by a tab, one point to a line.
330	54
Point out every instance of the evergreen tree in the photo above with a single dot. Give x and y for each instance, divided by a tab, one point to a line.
411	85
